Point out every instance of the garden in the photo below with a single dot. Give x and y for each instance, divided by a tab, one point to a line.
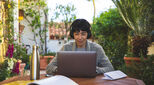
125	32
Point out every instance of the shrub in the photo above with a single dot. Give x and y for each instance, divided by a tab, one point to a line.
143	70
112	35
50	54
20	53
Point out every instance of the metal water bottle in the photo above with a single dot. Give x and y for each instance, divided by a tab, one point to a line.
35	64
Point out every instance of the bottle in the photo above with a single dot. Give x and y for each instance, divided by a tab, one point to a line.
35	64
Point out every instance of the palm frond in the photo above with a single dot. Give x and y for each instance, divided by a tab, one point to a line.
136	13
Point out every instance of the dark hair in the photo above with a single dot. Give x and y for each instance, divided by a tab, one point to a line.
80	24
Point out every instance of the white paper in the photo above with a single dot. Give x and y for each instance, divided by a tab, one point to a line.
113	75
54	80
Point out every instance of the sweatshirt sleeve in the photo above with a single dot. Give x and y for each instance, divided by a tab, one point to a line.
103	65
52	66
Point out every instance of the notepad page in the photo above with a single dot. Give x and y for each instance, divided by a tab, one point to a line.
114	75
54	80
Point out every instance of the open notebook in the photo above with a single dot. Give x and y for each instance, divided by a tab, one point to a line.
113	75
54	80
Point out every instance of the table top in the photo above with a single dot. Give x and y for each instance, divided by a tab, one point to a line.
86	81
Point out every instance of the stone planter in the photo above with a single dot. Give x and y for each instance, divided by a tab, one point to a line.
44	61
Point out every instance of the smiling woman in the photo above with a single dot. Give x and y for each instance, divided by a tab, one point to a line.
81	32
80	38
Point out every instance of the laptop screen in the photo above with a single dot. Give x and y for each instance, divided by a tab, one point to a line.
76	63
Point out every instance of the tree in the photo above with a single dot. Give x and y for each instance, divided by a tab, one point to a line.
94	10
33	13
66	14
138	16
93	30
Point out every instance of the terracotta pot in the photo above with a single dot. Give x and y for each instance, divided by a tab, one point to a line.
130	60
21	68
44	61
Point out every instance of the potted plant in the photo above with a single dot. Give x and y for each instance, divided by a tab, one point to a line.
142	70
45	59
139	48
56	36
20	53
138	16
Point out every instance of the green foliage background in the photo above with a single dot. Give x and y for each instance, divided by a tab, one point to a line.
112	33
143	70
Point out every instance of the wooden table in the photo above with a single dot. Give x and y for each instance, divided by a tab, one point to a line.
86	81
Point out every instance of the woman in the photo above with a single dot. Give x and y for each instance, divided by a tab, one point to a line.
80	32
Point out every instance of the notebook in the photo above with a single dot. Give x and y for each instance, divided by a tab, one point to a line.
76	63
54	80
113	75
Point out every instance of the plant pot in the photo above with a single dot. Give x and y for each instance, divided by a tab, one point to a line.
130	60
21	68
44	61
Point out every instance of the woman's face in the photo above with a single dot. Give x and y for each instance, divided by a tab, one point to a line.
80	38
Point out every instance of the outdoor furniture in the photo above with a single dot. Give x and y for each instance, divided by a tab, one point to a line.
86	81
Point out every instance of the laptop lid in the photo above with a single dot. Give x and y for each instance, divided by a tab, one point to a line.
76	63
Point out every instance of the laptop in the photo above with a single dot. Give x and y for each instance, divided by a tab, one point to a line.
76	63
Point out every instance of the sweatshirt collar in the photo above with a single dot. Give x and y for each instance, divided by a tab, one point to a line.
87	46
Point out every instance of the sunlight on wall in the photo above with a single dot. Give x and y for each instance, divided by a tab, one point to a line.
151	49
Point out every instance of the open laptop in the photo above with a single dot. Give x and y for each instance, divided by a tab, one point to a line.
76	63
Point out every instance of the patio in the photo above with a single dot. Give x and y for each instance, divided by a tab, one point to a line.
131	35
